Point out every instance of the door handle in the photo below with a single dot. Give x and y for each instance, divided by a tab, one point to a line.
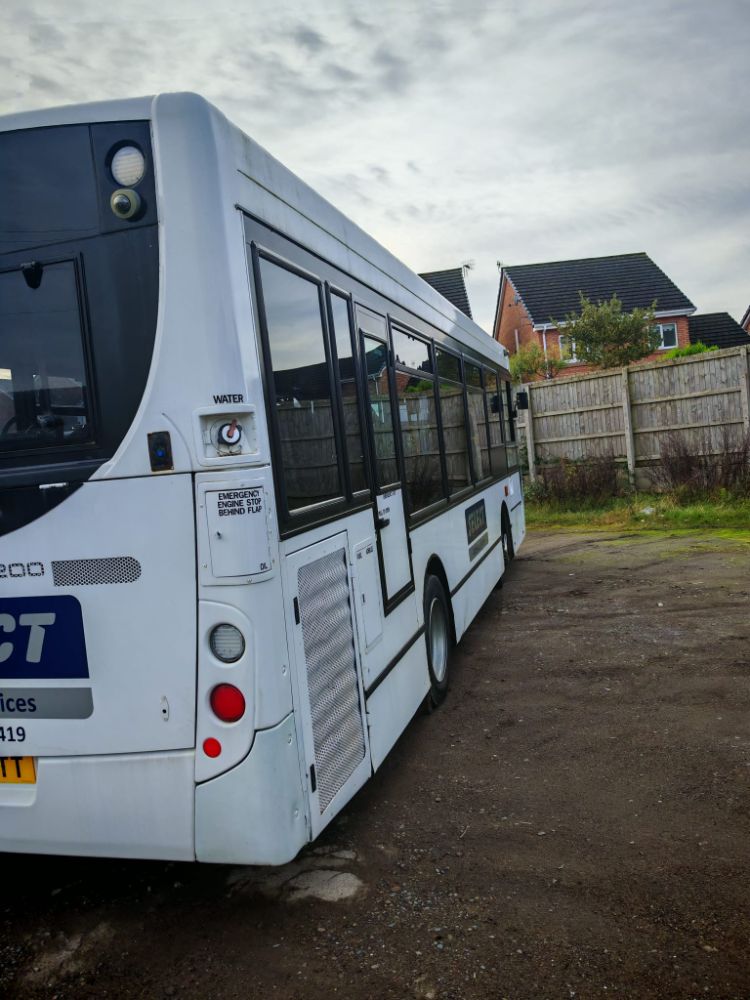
382	522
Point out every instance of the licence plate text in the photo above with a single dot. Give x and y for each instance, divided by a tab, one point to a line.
17	771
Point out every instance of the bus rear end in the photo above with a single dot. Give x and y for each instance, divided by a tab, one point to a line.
97	561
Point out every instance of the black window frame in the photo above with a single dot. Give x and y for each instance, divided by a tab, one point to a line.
424	513
303	516
331	290
480	368
467	490
280	247
384	339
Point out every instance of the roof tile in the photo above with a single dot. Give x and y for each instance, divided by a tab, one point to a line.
550	291
717	330
451	286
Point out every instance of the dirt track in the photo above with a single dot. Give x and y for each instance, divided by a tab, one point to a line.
574	822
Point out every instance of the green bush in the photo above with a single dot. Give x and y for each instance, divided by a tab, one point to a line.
689	351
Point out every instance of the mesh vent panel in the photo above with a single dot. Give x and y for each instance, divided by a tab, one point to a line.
328	638
87	572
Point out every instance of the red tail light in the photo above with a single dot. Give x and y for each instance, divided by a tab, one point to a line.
227	702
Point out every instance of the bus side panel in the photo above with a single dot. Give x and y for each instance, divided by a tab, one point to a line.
255	813
446	537
394	702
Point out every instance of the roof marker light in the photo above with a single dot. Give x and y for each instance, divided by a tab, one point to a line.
128	166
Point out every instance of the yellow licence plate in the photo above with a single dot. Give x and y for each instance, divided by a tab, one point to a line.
17	771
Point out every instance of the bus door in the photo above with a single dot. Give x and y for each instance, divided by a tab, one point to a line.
390	519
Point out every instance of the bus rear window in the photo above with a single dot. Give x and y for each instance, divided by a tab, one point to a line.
48	190
44	399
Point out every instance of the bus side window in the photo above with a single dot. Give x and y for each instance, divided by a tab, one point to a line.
477	421
379	399
453	417
510	427
302	389
417	410
493	396
347	375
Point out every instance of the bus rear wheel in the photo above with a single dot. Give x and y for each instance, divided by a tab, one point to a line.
438	633
507	542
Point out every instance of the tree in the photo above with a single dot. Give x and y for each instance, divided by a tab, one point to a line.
607	337
530	362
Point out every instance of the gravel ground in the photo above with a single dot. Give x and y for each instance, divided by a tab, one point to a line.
573	822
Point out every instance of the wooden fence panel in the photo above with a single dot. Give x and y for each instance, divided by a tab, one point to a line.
630	412
578	418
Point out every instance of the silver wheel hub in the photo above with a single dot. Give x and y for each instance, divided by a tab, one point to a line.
438	640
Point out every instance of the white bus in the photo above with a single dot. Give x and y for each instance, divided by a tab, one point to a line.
256	477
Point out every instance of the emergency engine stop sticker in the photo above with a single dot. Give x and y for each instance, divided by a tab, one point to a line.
237	503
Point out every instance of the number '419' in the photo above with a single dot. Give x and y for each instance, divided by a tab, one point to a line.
12	734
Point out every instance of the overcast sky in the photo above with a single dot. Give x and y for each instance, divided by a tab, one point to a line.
454	130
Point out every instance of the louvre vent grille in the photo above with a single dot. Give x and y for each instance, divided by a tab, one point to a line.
90	572
328	638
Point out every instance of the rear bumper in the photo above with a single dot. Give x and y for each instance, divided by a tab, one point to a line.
124	806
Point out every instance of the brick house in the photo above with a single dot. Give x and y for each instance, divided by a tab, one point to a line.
532	296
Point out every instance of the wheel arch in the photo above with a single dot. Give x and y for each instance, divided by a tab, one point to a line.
505	515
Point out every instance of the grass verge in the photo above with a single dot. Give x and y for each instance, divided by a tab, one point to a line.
644	512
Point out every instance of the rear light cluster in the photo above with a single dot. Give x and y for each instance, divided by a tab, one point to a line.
227	643
226	700
227	703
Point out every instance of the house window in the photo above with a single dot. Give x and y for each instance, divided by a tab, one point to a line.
668	334
568	350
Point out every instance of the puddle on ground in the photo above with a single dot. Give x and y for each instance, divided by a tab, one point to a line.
317	874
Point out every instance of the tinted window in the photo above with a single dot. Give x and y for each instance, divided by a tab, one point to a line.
417	409
43	385
477	422
510	427
302	390
454	422
349	393
48	190
411	352
494	400
448	365
379	399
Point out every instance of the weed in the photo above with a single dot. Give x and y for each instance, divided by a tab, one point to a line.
701	470
570	484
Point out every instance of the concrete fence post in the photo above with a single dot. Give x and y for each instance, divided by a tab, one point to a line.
744	360
627	422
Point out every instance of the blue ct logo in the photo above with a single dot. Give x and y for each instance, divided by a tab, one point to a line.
41	637
36	624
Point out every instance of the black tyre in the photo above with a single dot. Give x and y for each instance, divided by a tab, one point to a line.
439	638
507	541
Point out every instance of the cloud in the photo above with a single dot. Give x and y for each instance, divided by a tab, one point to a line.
534	130
308	38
